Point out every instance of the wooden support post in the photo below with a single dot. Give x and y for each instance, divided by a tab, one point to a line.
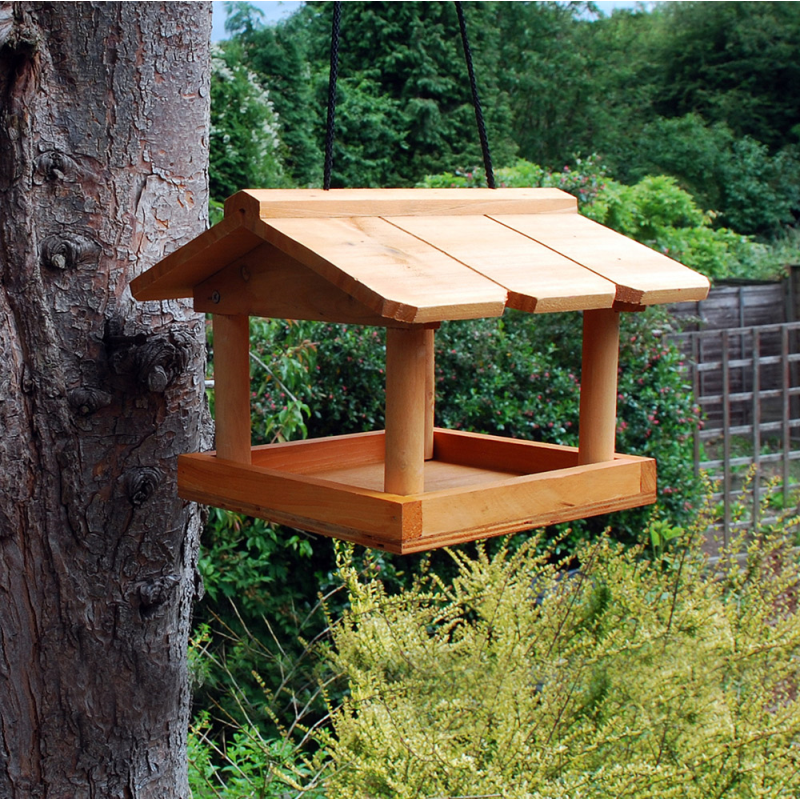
430	391
406	371
598	411
232	386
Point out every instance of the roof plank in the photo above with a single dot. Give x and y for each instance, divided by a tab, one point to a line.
643	276
316	203
267	282
387	269
418	256
537	278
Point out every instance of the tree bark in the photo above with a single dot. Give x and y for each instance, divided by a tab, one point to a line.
103	170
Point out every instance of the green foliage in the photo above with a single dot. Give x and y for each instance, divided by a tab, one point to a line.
251	766
279	55
658	213
261	597
283	360
547	73
655	211
244	141
618	678
245	560
347	388
701	92
654	204
717	108
758	191
733	63
404	106
369	127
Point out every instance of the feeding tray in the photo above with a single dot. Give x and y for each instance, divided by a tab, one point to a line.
408	260
475	486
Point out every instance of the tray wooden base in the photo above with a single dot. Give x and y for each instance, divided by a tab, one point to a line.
475	486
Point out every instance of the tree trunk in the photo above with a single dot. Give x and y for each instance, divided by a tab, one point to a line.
103	159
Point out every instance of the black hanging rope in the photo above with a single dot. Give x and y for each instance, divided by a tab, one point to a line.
333	75
330	133
487	156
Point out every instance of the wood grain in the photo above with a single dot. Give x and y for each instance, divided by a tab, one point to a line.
267	282
500	453
386	269
529	501
232	387
178	273
642	276
406	410
537	278
298	500
598	402
430	390
315	456
315	203
461	502
419	256
439	475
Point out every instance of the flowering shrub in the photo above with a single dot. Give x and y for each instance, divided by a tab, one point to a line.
618	678
584	180
244	143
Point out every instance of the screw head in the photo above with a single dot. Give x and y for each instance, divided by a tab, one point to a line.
215	298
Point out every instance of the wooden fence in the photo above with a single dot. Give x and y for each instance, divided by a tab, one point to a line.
736	305
747	381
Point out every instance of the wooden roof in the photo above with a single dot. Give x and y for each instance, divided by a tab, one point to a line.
410	256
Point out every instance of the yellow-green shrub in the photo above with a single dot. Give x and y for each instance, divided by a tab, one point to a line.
622	677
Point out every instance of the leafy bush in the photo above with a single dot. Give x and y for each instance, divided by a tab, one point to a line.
658	213
244	765
753	191
245	146
655	211
620	677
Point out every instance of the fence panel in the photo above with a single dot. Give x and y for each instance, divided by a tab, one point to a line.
747	382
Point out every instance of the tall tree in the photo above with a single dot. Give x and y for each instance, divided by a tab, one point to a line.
734	63
404	105
103	169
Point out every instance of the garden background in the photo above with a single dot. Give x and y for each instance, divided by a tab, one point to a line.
678	126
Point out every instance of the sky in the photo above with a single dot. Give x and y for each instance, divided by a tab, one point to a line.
275	10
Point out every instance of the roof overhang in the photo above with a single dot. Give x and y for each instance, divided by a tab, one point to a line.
413	256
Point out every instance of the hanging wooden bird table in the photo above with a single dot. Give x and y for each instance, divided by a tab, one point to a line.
407	260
